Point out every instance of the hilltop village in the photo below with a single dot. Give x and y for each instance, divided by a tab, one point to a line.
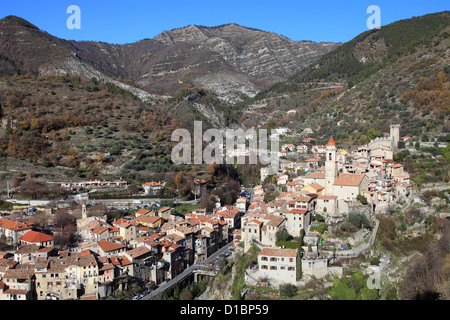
155	244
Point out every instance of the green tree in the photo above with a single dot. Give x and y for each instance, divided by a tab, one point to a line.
362	199
299	271
288	290
373	133
352	288
319	218
358	220
283	235
341	291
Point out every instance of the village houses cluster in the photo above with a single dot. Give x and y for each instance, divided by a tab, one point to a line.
331	191
152	247
156	245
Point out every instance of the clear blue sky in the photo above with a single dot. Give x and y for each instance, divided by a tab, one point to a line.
120	21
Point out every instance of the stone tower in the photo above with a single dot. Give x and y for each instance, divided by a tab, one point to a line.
394	134
83	210
331	166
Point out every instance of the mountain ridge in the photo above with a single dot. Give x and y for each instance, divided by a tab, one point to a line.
173	59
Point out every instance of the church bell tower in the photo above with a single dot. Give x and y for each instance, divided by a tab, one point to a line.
83	210
331	167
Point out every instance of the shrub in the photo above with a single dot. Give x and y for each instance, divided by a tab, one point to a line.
320	228
283	235
288	290
353	288
362	199
374	261
319	218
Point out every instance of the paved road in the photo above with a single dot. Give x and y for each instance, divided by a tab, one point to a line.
107	202
186	273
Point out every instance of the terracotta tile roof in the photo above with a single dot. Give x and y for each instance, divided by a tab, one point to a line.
13	225
147	219
36	237
15	291
331	142
18	274
254	221
9	264
315	175
109	246
142	211
349	179
302	198
120	261
152	184
31	248
100	230
274	252
137	252
300	211
274	221
276	203
113	229
322	197
316	186
123	223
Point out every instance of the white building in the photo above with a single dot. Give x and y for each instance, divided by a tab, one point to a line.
279	264
153	186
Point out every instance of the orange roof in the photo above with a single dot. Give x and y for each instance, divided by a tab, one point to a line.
254	221
316	186
109	246
100	230
302	198
278	252
349	179
301	211
331	142
13	225
152	184
147	219
36	237
121	261
142	211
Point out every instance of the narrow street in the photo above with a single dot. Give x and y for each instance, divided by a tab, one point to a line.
186	273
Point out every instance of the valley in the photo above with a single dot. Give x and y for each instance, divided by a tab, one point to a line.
361	185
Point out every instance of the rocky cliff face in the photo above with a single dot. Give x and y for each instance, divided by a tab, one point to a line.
233	61
264	57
